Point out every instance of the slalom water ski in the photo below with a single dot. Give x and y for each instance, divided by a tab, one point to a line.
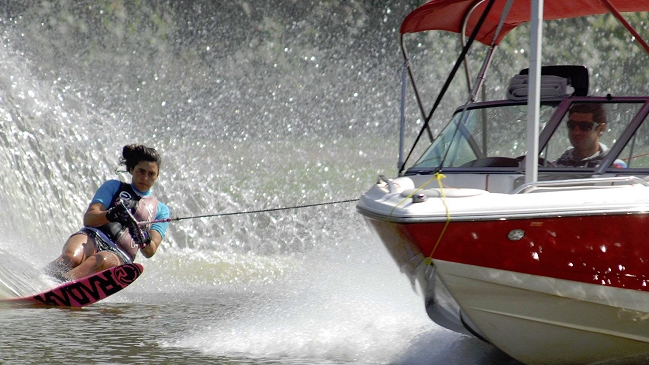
85	291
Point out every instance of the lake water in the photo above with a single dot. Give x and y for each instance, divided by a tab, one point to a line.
252	107
309	311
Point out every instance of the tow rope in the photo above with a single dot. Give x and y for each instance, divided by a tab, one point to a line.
248	211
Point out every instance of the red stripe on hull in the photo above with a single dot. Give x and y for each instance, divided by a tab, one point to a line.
607	250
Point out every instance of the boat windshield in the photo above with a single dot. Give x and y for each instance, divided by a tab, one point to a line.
491	136
580	133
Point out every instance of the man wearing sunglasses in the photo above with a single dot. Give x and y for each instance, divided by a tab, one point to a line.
586	123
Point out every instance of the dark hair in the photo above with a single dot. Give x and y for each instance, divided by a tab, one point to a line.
132	154
597	110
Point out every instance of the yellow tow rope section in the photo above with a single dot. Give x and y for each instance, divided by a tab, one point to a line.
414	192
439	178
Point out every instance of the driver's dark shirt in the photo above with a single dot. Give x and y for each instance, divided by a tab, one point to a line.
568	160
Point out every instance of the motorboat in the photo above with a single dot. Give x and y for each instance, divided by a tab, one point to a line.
508	240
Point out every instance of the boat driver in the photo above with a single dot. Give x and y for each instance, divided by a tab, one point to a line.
586	123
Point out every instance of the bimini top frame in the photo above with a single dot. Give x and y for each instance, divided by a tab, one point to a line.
488	22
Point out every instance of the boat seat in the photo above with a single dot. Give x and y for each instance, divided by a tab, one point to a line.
465	181
499	183
493	183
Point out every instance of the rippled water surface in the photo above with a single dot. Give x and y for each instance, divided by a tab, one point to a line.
317	312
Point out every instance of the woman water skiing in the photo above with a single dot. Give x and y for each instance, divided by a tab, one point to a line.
111	235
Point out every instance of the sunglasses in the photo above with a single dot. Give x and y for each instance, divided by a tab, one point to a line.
584	126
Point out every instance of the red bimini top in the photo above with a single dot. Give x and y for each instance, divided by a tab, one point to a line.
449	14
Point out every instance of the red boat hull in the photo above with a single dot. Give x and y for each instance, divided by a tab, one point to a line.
605	250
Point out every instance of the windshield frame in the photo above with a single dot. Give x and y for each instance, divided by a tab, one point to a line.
562	106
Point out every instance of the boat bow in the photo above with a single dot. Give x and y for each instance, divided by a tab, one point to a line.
552	269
